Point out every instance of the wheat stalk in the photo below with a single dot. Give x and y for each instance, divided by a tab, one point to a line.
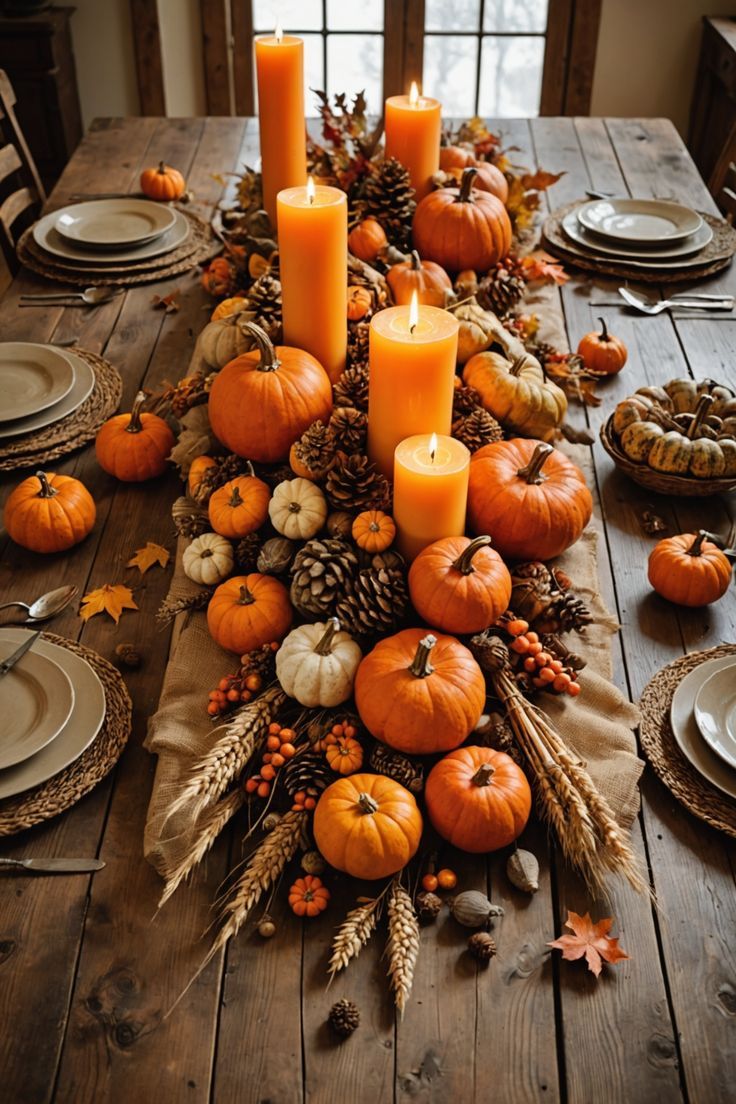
352	935
402	947
206	831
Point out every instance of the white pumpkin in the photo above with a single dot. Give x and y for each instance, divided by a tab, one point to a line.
316	664
223	340
208	559
297	509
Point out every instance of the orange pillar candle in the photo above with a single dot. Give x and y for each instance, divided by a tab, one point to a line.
313	266
280	73
413	352
413	126
430	491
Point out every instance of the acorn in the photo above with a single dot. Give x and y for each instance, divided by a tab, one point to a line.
266	928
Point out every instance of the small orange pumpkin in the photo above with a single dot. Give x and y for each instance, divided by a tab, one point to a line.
489	178
462	228
360	302
459	585
163	183
367	239
227	307
240	506
308	896
248	611
602	352
344	754
49	513
373	531
456	157
219	277
197	468
427	279
134	447
689	569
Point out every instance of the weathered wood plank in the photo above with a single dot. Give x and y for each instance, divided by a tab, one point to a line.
144	22
216	57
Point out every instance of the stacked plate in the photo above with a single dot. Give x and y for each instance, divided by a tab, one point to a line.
703	719
52	704
40	384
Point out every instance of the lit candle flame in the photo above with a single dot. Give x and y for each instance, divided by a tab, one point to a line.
310	190
413	311
433	447
279	32
414	94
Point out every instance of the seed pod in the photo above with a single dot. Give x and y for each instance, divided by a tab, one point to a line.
270	821
522	870
266	928
472	909
313	863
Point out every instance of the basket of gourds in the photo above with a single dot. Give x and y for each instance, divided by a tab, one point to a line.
678	439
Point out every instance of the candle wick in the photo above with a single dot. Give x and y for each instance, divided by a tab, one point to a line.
412	328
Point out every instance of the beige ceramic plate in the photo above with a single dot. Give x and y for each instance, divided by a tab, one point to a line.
36	700
46	235
625	251
644	221
114	223
688	735
77	734
84	381
32	378
715	712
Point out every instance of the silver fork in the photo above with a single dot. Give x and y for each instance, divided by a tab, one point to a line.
649	306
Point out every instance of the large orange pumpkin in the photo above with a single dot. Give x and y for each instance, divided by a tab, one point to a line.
459	585
248	611
239	507
262	401
134	447
529	497
427	279
478	799
49	513
689	570
367	825
462	228
420	693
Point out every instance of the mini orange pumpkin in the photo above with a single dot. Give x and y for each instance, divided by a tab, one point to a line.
218	278
602	352
49	513
462	228
367	239
134	447
163	183
360	302
249	611
420	693
344	755
456	157
197	468
373	531
459	585
308	897
478	799
240	506
227	307
367	825
689	569
427	279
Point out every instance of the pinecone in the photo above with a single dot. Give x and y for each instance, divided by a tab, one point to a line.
397	766
389	197
264	298
308	771
246	553
229	467
190	520
344	1017
464	401
532	592
490	651
357	358
320	573
355	484
502	287
375	599
428	906
494	731
349	428
315	449
274	474
568	613
482	946
477	429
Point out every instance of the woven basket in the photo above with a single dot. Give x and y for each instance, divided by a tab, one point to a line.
661	482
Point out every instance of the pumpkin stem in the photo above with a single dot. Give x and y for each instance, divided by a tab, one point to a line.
367	803
420	665
464	562
701	411
696	548
324	646
416	261
604	330
517	364
204	555
246	597
134	425
483	775
294	507
235	498
161	168
47	491
533	471
269	361
466	184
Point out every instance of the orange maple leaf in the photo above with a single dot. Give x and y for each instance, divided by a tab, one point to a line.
540	180
590	941
148	556
107	599
541	266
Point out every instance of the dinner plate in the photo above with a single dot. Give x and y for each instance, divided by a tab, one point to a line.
36	700
715	712
84	723
687	734
84	381
32	378
114	223
625	251
47	237
653	221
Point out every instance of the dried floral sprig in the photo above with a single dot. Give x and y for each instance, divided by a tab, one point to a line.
206	831
402	947
172	607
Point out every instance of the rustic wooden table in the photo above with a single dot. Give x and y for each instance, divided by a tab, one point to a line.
88	970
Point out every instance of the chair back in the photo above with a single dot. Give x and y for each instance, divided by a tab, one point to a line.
21	192
726	197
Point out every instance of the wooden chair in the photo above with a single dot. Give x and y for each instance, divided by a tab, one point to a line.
726	198
21	192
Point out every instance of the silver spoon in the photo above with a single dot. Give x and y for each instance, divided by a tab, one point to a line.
92	296
48	605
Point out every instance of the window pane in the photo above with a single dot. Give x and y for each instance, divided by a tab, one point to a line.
295	15
365	16
459	15
355	64
449	73
511	76
515	15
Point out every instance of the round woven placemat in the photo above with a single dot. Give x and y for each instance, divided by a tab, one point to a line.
73	782
658	743
70	433
194	251
716	255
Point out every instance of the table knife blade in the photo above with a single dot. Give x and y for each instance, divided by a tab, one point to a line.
56	866
18	653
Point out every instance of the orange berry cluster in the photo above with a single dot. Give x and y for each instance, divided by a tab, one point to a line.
279	748
443	879
305	800
544	671
233	690
342	729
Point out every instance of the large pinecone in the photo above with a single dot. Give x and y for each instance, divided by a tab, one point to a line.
308	771
384	760
349	428
477	429
319	575
464	401
315	449
502	287
376	598
264	298
355	484
357	359
246	553
389	197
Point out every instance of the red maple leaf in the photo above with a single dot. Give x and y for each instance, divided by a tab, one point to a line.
590	941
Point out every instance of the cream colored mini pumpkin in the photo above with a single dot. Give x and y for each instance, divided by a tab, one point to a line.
208	559
298	509
223	340
316	664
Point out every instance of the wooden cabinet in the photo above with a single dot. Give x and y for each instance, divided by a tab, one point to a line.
36	53
712	135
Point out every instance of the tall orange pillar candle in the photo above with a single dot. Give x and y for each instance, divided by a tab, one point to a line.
413	126
280	72
313	266
413	351
430	491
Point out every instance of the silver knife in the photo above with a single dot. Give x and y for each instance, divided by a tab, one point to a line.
19	653
56	866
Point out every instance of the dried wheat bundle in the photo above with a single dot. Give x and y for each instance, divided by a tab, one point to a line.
353	934
402	947
204	834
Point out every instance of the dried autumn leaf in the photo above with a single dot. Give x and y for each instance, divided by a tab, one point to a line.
107	599
168	303
590	941
148	556
541	266
540	180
